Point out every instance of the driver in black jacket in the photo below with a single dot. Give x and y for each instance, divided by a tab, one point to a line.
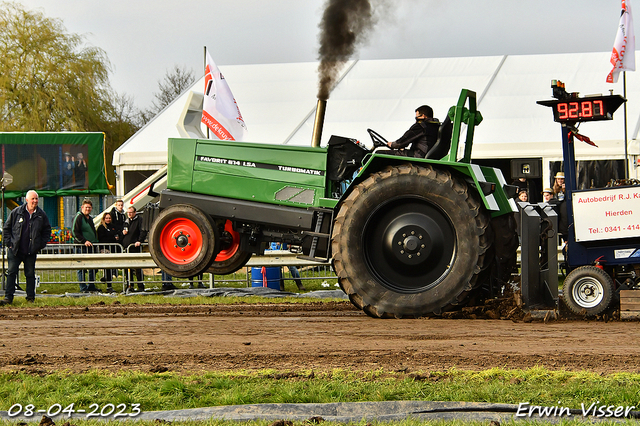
422	135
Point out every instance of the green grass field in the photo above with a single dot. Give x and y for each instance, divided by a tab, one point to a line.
169	391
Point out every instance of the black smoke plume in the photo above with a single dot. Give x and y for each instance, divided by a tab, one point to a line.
344	26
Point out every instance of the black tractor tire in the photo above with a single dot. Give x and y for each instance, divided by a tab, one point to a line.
230	258
183	241
587	290
230	265
410	241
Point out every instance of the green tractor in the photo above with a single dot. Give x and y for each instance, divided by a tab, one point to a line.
407	237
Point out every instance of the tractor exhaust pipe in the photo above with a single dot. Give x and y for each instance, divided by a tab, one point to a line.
318	123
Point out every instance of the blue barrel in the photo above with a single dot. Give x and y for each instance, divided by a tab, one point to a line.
274	246
272	275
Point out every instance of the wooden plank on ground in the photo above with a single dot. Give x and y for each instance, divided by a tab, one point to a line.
630	315
629	301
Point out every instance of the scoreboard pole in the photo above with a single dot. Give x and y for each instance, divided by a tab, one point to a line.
570	176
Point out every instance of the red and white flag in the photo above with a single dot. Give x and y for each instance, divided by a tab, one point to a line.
220	112
623	57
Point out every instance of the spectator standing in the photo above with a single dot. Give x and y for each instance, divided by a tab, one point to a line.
293	270
560	207
118	215
167	283
85	234
521	183
296	277
559	186
196	281
523	195
25	232
133	236
108	235
530	186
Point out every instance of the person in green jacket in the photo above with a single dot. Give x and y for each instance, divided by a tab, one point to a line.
84	233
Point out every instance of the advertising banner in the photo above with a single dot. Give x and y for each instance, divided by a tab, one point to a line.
54	164
607	213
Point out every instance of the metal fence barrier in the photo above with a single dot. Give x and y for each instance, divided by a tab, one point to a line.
59	263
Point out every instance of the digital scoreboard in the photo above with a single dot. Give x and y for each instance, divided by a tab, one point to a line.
570	108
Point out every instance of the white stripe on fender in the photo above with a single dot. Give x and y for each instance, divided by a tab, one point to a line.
512	202
491	200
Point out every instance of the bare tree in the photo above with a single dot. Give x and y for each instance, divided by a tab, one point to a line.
175	82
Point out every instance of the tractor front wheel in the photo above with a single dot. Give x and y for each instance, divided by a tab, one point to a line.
183	241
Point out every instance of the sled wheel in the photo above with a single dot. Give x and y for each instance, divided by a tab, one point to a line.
587	290
183	241
230	258
410	241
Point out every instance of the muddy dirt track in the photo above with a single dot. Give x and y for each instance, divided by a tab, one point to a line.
318	336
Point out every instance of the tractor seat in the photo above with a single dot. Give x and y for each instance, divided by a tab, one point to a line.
443	143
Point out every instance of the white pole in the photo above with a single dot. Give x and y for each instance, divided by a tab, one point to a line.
626	154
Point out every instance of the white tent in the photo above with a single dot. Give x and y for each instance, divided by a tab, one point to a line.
278	103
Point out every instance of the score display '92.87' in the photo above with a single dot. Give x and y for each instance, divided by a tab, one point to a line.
569	108
582	110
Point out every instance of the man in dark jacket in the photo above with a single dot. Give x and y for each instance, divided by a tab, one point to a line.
118	215
84	232
422	135
26	231
133	238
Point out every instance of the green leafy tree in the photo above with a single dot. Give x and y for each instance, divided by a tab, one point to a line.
51	80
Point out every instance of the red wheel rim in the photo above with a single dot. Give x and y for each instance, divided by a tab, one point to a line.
181	241
228	251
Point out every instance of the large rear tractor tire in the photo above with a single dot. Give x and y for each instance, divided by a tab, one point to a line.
230	258
183	241
587	290
410	241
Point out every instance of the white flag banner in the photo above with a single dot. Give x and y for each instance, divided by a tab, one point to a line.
623	57
220	112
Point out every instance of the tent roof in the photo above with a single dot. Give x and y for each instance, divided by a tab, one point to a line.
273	99
278	103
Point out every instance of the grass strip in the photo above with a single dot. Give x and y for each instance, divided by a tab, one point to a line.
164	300
168	391
408	422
